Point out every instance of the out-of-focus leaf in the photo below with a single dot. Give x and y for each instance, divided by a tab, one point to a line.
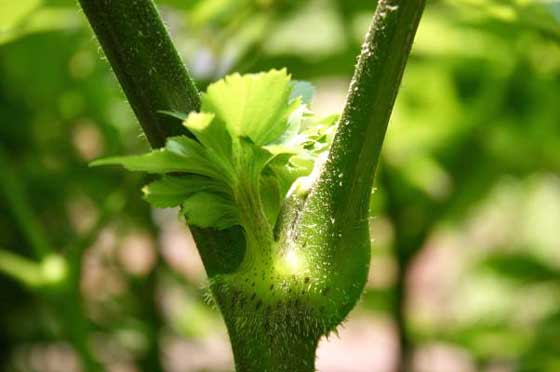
544	353
14	12
487	341
20	18
535	15
521	267
315	30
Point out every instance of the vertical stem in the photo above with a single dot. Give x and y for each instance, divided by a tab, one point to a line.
154	78
347	177
408	243
77	327
260	349
13	192
146	63
401	321
406	249
144	290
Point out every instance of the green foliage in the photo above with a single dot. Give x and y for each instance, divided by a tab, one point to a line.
522	268
21	18
254	137
478	106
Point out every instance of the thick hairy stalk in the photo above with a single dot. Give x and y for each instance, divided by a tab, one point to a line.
344	186
281	282
145	61
154	79
277	311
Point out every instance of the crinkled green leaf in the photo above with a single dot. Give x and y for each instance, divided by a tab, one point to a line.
271	196
251	160
196	156
287	172
281	149
181	154
254	106
172	191
295	122
212	134
159	161
254	137
205	209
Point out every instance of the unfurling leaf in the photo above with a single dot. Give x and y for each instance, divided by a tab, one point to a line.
206	209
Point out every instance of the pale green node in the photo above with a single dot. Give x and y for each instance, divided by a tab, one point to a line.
54	269
291	263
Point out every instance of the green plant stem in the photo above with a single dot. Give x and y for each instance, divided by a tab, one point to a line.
76	326
67	303
145	62
347	177
30	273
333	228
259	350
147	66
20	268
154	79
13	192
113	204
70	306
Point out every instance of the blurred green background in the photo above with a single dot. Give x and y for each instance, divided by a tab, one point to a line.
465	272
